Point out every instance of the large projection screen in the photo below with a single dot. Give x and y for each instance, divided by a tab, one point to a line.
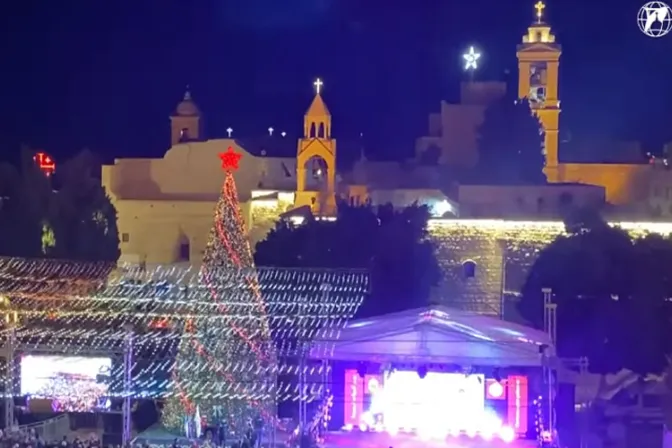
435	402
73	383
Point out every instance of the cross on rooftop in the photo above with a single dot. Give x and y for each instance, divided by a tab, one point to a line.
318	85
540	9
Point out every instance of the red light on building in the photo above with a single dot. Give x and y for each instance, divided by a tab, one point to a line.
45	162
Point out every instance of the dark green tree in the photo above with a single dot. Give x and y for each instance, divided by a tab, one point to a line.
84	219
611	293
25	208
510	144
393	245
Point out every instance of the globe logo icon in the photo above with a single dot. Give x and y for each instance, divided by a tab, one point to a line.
655	19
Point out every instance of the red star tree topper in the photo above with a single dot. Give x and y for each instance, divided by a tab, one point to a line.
230	159
227	387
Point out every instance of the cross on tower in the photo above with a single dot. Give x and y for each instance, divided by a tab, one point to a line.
318	85
540	8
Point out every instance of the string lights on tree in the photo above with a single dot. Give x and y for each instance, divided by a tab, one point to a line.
247	345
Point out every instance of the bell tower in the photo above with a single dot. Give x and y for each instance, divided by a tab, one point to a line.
185	123
538	64
317	143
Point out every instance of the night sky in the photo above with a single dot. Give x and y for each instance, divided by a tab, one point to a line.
107	74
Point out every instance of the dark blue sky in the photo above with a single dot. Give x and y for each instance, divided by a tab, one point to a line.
106	75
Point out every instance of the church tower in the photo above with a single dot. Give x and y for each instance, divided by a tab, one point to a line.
185	123
538	63
317	143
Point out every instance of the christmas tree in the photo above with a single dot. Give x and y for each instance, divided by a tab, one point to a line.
221	368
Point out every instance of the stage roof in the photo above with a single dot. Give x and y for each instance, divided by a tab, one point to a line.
436	334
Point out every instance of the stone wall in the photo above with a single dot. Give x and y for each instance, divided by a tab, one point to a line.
501	251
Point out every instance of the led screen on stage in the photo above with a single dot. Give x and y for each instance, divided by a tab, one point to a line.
438	400
73	383
402	400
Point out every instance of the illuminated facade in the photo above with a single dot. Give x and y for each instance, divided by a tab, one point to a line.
165	205
452	132
538	73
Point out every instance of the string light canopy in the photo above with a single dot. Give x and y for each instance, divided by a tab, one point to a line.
303	308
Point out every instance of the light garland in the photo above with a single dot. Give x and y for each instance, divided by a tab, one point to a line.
298	306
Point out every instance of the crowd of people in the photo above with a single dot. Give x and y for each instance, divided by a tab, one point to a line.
29	438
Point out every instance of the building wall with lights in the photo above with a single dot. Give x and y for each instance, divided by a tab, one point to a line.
484	259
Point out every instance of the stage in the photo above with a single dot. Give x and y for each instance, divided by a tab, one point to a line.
436	377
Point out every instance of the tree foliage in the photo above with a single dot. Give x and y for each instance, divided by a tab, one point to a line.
392	244
510	143
85	221
76	221
611	292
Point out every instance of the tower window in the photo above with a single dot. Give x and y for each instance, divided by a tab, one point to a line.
125	237
312	131
469	269
184	135
184	251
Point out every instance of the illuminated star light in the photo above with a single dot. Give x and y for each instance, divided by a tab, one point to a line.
229	131
471	59
230	159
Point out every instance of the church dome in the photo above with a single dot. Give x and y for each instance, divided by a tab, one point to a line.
187	107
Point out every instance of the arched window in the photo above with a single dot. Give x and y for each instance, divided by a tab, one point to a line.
312	131
469	269
321	132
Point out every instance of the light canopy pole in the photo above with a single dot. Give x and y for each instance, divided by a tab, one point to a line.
11	320
550	327
128	385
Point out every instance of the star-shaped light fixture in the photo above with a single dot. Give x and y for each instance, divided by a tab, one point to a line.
229	131
270	131
471	59
230	159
